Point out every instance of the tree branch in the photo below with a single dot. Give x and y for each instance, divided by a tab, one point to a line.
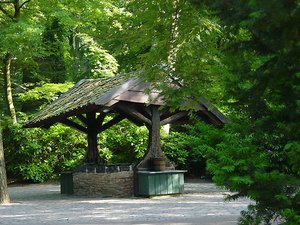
24	3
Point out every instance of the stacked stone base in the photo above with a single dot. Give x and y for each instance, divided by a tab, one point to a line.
118	185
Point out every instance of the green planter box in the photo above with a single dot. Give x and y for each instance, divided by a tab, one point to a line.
160	183
66	183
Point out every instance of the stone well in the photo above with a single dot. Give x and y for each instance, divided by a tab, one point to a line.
118	184
114	181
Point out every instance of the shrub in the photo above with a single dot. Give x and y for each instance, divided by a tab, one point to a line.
36	155
124	143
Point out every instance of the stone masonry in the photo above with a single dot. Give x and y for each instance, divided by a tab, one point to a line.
118	184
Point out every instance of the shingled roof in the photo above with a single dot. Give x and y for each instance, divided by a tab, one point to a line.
84	96
98	94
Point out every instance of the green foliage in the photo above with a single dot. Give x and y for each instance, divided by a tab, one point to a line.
123	143
240	163
21	37
245	54
34	172
89	60
39	96
292	217
175	147
144	44
262	90
53	65
37	155
188	149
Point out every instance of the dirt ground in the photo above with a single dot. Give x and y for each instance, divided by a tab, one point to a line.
201	203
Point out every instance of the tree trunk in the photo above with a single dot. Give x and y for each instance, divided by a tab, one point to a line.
17	8
7	87
4	197
173	47
8	58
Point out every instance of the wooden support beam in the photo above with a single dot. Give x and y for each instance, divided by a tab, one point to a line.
163	111
147	111
99	120
140	117
92	155
155	149
74	125
82	119
133	119
112	122
173	118
133	113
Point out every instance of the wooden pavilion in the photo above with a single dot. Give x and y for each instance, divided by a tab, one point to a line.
85	106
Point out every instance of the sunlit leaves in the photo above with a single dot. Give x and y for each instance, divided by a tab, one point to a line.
146	38
100	62
47	92
22	38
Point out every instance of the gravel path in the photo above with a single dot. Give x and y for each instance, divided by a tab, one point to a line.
202	203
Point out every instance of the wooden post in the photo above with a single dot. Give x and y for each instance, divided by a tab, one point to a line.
94	126
92	155
154	133
154	148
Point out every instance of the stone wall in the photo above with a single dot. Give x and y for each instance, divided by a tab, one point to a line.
118	184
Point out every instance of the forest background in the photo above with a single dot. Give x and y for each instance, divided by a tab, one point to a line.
244	56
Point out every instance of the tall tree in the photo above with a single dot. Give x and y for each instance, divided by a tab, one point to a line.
4	197
170	41
8	58
22	47
7	86
53	65
12	11
73	45
263	86
173	49
89	59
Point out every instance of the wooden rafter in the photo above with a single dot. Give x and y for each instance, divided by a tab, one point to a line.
163	111
74	125
82	119
173	118
147	111
110	123
133	114
99	120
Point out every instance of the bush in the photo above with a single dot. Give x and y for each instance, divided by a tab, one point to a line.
123	143
37	155
252	165
187	150
175	147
